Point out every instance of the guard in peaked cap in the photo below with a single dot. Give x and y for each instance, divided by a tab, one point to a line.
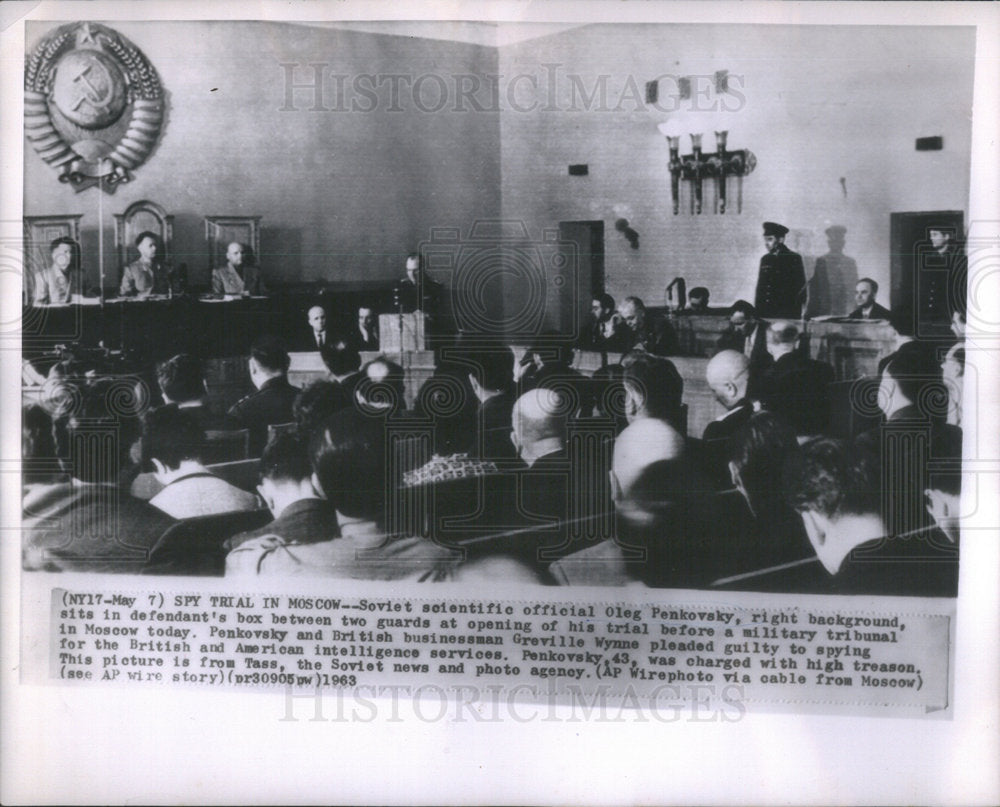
781	282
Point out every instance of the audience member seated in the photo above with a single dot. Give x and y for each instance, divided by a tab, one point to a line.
864	297
653	389
757	455
382	388
796	386
237	276
747	334
301	516
944	486
953	375
60	280
446	400
491	376
272	402
546	364
609	395
315	403
653	334
172	443
148	275
910	394
836	491
349	469
365	334
39	458
87	523
182	382
343	361
608	332
728	376
646	480
906	341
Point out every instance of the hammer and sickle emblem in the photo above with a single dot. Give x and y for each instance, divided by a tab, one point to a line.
90	93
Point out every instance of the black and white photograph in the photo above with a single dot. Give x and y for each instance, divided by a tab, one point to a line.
598	371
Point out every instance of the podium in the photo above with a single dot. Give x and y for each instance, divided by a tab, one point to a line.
400	333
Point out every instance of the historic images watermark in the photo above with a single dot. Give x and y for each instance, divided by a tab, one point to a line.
317	87
520	703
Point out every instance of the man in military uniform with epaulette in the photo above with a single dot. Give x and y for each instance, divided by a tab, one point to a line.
273	399
781	283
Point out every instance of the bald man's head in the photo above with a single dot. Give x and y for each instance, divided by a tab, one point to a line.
728	374
647	468
538	423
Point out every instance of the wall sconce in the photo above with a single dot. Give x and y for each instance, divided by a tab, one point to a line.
696	165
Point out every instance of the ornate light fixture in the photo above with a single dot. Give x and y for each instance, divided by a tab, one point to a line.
695	166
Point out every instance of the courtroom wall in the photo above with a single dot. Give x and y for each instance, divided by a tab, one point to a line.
818	105
343	194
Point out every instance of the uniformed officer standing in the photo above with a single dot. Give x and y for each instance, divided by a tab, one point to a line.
781	283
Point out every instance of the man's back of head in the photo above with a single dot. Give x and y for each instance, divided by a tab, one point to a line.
654	388
349	464
383	388
782	338
728	374
285	471
270	356
170	435
907	379
180	379
539	421
647	453
340	357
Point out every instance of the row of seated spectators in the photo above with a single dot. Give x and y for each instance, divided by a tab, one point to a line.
526	473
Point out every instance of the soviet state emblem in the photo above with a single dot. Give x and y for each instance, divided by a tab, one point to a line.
93	104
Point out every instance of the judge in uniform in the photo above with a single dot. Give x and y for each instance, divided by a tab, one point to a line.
58	282
147	275
781	282
236	277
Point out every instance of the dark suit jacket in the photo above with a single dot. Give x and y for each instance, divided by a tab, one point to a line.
70	527
781	285
359	343
877	312
657	336
272	403
734	420
494	427
427	298
759	357
797	387
303	522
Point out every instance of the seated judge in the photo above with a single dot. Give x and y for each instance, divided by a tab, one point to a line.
148	274
365	335
416	291
172	443
59	281
864	297
237	276
273	399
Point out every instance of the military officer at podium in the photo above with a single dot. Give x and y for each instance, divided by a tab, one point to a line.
781	283
417	292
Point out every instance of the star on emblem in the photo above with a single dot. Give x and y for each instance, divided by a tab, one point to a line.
85	35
